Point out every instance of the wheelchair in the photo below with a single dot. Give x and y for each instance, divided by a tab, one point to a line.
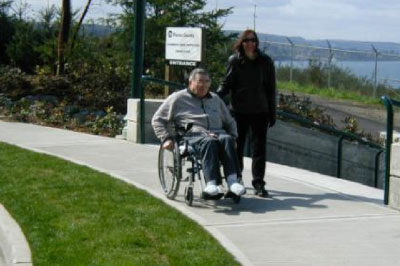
171	174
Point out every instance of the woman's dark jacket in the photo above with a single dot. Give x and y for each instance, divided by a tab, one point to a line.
250	84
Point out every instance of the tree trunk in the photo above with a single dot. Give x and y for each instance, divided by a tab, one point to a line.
63	34
78	26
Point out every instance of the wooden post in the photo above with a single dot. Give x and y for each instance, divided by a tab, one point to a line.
167	78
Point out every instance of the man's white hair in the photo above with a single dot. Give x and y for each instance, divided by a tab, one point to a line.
198	71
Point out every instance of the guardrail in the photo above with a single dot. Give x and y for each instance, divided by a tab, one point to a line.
341	134
163	82
389	139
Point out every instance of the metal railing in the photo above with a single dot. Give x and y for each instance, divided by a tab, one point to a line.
342	136
389	139
297	51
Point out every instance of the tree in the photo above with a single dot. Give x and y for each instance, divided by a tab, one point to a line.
78	26
47	18
7	30
169	13
63	35
47	50
21	49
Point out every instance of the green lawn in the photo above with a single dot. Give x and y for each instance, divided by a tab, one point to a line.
329	93
73	215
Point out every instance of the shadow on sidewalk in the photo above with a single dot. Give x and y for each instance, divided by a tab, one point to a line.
278	201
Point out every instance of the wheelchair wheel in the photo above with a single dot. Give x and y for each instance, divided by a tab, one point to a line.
169	170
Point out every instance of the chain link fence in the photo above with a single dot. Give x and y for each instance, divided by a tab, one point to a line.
377	71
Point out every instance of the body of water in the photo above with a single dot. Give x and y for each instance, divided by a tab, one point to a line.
388	71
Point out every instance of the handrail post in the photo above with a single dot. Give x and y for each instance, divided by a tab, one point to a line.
339	158
142	115
389	138
377	163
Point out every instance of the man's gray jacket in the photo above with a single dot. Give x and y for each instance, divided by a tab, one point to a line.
208	115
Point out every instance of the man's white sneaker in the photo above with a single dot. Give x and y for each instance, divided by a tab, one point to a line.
211	189
237	189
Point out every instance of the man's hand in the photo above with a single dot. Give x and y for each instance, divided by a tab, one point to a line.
168	144
271	122
213	135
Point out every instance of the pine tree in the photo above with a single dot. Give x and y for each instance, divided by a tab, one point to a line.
176	13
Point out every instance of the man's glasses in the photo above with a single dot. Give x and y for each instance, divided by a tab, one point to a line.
202	81
249	40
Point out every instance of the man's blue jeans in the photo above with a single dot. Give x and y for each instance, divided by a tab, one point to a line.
214	151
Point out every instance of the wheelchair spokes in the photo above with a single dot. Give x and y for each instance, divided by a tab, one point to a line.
169	171
170	164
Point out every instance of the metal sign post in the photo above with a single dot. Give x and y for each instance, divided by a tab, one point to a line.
137	61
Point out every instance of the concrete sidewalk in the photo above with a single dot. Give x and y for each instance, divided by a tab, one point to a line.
310	219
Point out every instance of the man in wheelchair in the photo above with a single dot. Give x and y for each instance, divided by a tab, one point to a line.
212	134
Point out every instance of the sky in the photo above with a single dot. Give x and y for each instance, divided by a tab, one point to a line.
361	20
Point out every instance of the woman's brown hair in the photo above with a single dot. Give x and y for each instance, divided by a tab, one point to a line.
238	43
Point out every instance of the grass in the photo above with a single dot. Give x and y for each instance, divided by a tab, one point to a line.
331	93
73	215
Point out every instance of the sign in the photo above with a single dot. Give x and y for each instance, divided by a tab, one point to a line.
182	63
183	46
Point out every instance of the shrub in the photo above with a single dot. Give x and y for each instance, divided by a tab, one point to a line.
14	83
341	79
111	124
303	107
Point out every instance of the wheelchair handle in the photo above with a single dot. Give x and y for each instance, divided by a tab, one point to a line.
183	130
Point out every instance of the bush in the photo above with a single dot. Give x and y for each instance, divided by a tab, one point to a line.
14	83
317	75
111	124
303	107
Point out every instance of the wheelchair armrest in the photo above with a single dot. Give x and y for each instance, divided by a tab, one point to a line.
185	148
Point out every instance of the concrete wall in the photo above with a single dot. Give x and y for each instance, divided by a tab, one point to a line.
311	149
394	185
291	145
133	120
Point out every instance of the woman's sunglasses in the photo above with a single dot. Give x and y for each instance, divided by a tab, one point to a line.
249	40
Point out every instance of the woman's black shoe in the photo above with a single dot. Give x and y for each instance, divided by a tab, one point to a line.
261	191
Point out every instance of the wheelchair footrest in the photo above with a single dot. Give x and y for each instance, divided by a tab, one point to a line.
185	179
207	196
230	195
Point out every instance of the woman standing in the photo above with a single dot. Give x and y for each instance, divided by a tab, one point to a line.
250	82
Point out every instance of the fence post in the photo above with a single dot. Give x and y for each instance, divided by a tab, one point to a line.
291	58
376	69
330	57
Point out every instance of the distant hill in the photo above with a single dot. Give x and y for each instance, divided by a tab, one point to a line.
363	50
96	30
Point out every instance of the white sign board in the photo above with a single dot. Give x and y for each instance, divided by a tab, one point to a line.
183	44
